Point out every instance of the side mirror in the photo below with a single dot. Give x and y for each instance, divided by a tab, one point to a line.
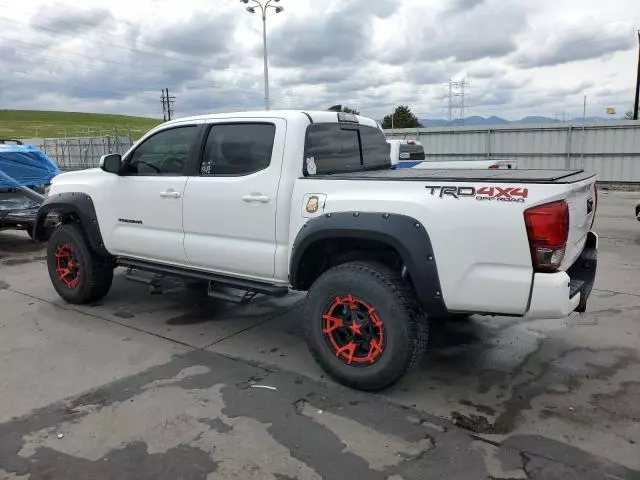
111	163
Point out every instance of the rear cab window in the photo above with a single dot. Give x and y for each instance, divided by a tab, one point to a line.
339	148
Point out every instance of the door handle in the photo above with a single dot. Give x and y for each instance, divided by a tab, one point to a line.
170	194
254	197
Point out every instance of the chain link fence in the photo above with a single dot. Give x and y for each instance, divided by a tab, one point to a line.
78	153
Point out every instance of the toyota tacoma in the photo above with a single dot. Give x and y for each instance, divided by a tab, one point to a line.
269	202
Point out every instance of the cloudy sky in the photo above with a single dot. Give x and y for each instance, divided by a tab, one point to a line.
520	57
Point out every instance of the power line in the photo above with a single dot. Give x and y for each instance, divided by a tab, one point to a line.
39	79
82	67
136	51
67	22
67	53
123	47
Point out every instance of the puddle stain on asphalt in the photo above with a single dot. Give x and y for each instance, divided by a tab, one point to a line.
380	450
179	420
164	419
570	369
501	466
4	475
552	368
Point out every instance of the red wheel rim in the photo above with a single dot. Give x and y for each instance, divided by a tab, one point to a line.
354	331
67	266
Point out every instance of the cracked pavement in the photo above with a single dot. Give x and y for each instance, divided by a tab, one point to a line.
166	387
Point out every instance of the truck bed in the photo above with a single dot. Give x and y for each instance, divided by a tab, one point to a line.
470	175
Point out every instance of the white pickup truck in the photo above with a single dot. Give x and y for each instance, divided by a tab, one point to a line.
410	154
269	202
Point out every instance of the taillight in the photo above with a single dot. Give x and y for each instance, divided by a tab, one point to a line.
548	230
595	205
493	167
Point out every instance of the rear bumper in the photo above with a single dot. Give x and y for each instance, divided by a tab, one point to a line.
556	295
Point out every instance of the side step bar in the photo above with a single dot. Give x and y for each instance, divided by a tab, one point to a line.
238	283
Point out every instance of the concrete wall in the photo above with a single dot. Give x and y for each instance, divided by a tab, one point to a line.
610	149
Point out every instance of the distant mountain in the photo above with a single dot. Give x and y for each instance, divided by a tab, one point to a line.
536	119
437	122
475	121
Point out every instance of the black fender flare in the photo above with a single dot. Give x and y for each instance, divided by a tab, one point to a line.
405	234
78	205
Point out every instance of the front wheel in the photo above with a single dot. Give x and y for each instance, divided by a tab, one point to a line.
77	273
363	325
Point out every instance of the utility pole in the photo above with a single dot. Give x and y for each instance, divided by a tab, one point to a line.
584	110
167	104
635	105
170	101
164	106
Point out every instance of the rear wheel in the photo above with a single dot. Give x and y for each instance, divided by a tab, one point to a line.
363	325
77	273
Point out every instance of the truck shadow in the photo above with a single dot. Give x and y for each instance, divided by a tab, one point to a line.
16	243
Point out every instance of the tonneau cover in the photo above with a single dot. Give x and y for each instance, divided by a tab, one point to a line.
442	175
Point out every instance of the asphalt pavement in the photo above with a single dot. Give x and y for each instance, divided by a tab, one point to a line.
167	386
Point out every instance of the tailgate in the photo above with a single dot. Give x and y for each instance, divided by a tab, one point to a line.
582	201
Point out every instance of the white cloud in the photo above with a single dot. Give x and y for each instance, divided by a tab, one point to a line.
520	57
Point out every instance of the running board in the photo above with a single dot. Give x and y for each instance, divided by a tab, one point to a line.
242	299
238	283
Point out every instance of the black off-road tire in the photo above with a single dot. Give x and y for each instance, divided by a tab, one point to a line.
30	232
396	306
95	272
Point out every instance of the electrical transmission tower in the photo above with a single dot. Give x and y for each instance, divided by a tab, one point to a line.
455	97
167	104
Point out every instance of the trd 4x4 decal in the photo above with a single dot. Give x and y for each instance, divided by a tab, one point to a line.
498	194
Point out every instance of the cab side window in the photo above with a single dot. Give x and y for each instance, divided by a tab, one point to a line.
165	153
238	149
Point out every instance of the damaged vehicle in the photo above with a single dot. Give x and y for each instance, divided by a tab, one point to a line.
25	175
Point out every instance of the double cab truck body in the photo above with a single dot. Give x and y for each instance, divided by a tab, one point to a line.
272	201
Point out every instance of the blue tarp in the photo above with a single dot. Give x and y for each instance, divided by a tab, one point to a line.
25	166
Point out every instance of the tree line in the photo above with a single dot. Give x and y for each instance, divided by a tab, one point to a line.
401	117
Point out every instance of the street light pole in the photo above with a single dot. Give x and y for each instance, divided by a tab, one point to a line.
637	99
266	64
264	6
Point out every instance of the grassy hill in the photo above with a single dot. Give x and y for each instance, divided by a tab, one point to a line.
26	124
